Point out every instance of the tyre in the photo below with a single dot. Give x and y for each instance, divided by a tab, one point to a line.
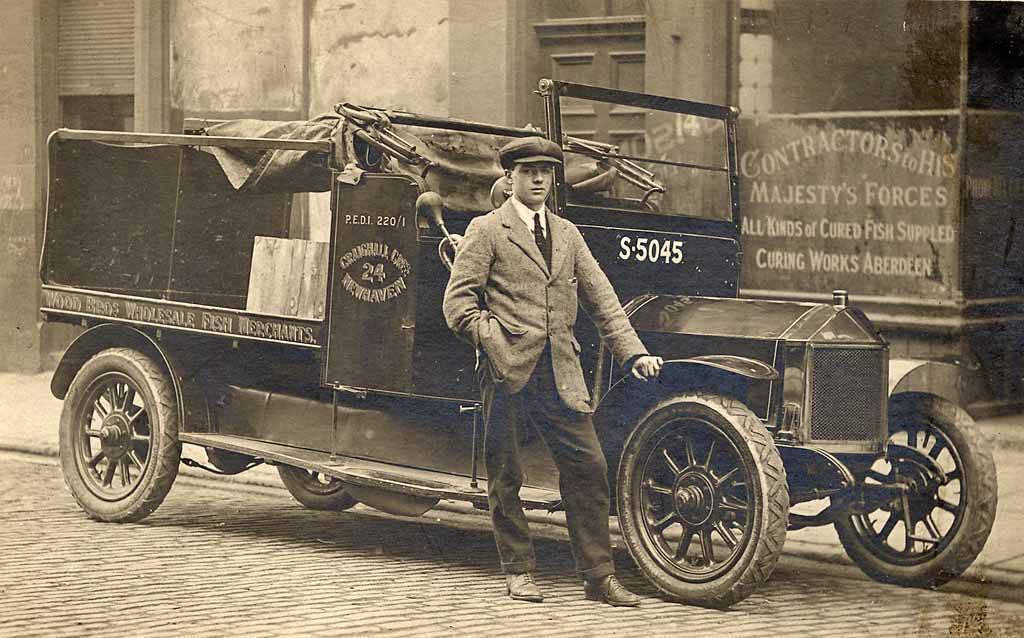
314	490
119	448
950	504
702	499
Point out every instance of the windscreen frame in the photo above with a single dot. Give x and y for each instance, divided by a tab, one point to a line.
553	91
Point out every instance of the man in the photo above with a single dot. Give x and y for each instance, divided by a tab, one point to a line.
518	276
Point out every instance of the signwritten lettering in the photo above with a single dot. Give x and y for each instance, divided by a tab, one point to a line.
871	194
366	219
225	322
995	187
866	204
374	272
894	151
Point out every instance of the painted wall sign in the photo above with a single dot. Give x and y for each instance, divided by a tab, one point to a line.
867	204
181	316
18	333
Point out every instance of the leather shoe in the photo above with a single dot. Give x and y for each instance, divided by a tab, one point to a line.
523	587
610	591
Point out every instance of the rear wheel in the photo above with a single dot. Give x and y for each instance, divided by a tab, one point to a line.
932	531
314	490
119	448
702	499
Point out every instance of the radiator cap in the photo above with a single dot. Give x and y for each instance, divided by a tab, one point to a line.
840	298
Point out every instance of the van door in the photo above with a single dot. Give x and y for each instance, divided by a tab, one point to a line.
372	287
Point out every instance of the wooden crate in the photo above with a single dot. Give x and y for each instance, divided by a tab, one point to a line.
288	278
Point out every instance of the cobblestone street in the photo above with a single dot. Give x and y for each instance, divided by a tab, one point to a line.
229	560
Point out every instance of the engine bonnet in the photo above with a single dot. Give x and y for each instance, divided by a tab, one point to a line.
752	319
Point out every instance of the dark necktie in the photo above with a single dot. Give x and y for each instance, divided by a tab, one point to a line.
538	236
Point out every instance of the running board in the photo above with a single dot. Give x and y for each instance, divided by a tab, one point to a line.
375	474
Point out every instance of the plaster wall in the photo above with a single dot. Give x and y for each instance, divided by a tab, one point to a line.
244	56
386	53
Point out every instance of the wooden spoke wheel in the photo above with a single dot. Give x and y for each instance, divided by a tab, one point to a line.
938	522
702	499
118	436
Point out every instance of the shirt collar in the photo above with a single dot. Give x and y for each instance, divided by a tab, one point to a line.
526	214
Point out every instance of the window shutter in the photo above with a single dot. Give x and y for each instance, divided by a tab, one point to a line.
96	47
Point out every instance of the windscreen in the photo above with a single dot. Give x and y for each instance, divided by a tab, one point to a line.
647	159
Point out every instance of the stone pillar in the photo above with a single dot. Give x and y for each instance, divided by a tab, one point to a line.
20	191
688	49
482	60
152	67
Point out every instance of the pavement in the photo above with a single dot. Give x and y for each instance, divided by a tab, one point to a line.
218	560
29	417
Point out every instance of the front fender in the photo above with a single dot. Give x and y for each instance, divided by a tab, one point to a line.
929	377
192	405
721	374
743	366
621	406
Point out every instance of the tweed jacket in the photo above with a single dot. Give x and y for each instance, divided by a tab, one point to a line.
502	299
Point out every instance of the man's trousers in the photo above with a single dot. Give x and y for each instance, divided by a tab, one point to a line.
583	471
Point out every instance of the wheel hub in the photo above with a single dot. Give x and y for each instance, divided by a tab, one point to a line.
923	491
922	487
114	436
693	498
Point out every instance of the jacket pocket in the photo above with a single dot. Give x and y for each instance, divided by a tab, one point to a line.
510	327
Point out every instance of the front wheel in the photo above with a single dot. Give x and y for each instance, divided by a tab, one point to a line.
702	499
937	523
119	448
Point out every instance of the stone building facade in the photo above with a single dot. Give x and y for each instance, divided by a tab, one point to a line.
879	142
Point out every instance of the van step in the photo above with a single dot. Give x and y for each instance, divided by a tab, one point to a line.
375	474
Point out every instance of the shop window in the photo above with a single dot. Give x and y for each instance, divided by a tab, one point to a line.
96	64
98	112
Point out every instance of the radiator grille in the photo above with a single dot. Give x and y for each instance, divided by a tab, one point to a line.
846	393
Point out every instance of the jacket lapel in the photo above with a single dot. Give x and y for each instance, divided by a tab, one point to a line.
559	242
520	236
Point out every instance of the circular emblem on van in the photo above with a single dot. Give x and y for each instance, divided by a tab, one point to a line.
374	272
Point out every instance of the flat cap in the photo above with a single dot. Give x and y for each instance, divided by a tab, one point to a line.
529	150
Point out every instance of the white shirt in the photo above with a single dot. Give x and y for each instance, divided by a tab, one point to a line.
526	214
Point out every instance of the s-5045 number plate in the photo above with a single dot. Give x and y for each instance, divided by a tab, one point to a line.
651	249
